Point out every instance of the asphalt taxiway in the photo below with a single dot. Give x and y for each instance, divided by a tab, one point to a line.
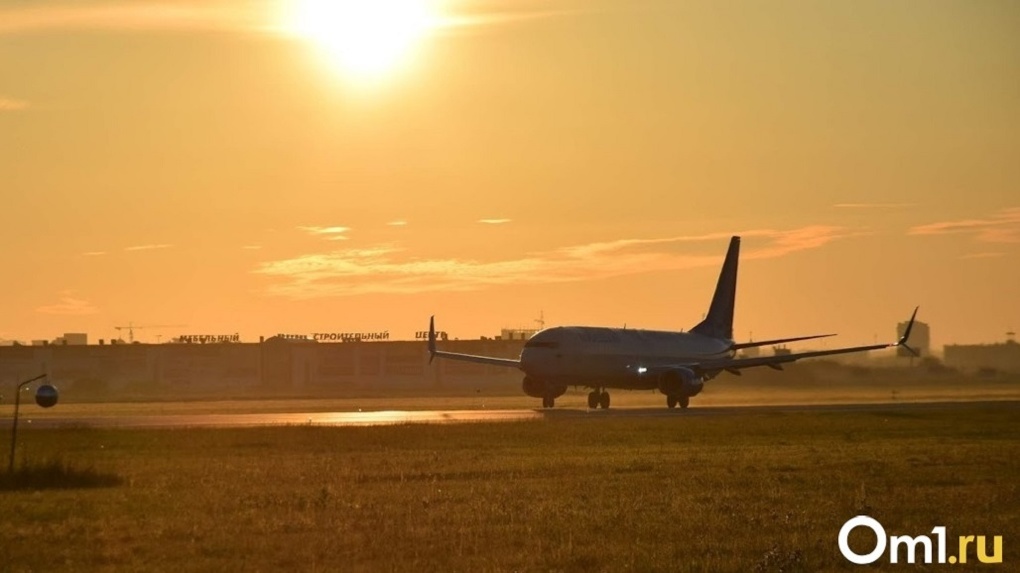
393	417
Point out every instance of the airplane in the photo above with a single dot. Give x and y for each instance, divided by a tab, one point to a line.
676	364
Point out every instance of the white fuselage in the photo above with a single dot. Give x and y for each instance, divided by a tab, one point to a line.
613	357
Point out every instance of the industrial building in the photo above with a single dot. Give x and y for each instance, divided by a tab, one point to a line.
984	358
279	363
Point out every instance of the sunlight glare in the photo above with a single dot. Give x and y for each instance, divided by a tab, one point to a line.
365	38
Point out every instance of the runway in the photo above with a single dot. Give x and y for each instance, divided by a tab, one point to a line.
395	417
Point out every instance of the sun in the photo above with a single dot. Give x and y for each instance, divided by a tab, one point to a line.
367	39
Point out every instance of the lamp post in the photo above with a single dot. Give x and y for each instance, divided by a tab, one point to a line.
45	396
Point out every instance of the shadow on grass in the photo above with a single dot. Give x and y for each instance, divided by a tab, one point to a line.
55	475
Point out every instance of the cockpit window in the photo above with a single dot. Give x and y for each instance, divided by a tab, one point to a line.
542	344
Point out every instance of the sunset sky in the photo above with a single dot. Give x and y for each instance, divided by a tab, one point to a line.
267	167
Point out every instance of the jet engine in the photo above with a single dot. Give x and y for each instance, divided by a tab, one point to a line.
540	389
680	382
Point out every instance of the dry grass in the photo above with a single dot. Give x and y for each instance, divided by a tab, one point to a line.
54	474
733	492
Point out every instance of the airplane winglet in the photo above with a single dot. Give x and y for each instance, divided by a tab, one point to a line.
432	338
906	334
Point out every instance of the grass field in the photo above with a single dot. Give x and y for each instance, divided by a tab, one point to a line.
733	492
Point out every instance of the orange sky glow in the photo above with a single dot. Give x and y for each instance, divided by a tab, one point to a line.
263	167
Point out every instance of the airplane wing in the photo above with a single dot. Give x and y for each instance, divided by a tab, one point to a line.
734	365
465	357
740	345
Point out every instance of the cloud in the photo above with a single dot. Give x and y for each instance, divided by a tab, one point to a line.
251	247
469	22
392	269
873	205
69	305
325	230
11	104
94	254
982	255
1002	227
147	247
494	221
397	223
335	233
137	16
214	16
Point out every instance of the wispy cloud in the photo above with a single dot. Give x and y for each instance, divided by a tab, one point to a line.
468	22
11	104
69	305
325	230
392	269
873	205
1002	227
335	233
94	254
209	15
216	15
397	223
494	221
251	247
148	247
982	256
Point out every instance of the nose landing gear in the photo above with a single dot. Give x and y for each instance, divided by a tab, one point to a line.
672	401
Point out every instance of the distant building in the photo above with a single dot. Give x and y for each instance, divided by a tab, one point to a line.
920	338
68	339
517	333
752	352
280	362
1004	357
72	339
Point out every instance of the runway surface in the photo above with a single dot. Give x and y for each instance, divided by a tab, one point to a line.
392	417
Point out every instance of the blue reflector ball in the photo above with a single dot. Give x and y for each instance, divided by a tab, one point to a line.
46	396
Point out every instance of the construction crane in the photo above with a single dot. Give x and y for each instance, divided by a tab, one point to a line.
130	328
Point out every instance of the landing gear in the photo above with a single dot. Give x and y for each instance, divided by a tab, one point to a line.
598	399
548	402
672	401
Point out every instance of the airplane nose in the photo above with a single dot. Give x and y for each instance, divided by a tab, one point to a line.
535	361
527	359
539	362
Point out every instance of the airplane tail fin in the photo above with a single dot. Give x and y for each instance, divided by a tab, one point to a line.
719	321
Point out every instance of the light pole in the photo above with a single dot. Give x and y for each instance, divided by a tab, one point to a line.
45	396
